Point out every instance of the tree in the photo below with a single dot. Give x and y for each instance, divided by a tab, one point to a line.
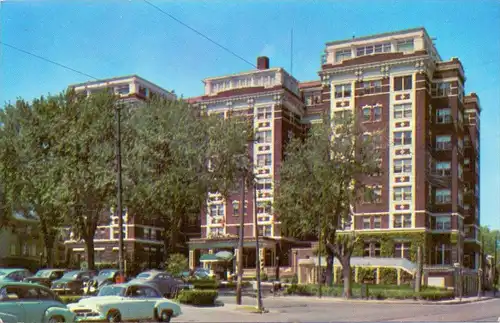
86	150
177	263
321	179
30	165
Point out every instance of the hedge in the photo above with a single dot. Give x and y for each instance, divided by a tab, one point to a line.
68	299
204	284
198	297
388	276
374	292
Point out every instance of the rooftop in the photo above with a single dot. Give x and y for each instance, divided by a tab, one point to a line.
375	36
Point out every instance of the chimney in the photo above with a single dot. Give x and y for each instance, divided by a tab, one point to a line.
262	63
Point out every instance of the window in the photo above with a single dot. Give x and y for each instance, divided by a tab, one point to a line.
371	87
342	91
377	113
342	54
264	160
122	89
443	196
467	141
216	231
402	165
264	137
443	142
345	115
404	46
402	111
460	199
443	116
371	249
441	89
373	194
402	221
264	113
443	168
377	222
370	49
460	172
264	208
443	255
403	83
13	249
382	48
367	114
402	138
402	250
366	222
467	164
402	193
217	210
143	91
265	230
264	184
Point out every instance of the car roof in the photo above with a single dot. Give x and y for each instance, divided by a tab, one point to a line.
21	284
128	284
10	270
52	269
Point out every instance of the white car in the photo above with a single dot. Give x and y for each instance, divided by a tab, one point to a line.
126	302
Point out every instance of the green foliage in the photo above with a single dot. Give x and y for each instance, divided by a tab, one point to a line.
177	263
489	236
366	274
374	292
198	297
204	284
388	276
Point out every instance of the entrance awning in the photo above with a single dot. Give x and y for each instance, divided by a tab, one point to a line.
218	257
209	258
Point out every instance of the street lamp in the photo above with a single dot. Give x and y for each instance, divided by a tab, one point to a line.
458	278
119	209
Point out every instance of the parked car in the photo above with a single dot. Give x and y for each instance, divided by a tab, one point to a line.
165	283
46	276
14	274
198	273
72	281
105	277
126	302
25	302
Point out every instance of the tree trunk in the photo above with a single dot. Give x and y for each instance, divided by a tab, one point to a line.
346	273
329	267
49	250
89	251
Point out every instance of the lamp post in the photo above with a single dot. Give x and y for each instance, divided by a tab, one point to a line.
257	246
119	209
240	241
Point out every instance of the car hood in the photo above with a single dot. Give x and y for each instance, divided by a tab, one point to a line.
36	279
91	302
63	280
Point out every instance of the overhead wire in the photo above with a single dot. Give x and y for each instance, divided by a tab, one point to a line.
199	33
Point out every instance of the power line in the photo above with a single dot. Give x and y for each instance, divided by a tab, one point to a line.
199	33
47	60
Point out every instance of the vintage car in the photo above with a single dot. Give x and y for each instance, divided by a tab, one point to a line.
105	277
30	303
166	284
126	302
14	274
72	281
46	276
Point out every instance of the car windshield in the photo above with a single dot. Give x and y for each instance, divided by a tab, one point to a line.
143	276
111	291
106	273
71	274
43	273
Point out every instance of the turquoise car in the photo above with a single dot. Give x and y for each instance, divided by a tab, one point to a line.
126	302
31	303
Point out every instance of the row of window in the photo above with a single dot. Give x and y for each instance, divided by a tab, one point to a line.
399	221
401	83
218	210
405	46
263	230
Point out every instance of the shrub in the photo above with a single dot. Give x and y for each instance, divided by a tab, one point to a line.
68	299
204	284
177	263
103	265
295	279
198	297
388	276
233	285
366	274
435	295
302	290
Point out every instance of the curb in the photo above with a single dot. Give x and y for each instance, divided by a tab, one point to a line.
358	301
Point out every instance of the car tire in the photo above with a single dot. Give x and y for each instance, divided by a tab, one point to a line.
56	319
114	316
165	316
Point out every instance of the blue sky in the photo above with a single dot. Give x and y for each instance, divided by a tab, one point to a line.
106	38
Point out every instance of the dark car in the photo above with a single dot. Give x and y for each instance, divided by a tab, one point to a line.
166	284
14	274
72	281
46	276
105	277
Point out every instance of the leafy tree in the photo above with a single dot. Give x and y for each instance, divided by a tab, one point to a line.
490	237
176	264
86	151
321	179
30	165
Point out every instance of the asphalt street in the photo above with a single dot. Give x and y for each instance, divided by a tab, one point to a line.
283	309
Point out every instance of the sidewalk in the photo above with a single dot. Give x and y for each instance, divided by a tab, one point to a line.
464	300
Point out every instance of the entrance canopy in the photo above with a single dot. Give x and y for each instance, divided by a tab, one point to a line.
221	256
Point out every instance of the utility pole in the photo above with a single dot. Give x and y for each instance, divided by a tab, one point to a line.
257	247
240	240
495	281
480	271
119	209
320	292
418	275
